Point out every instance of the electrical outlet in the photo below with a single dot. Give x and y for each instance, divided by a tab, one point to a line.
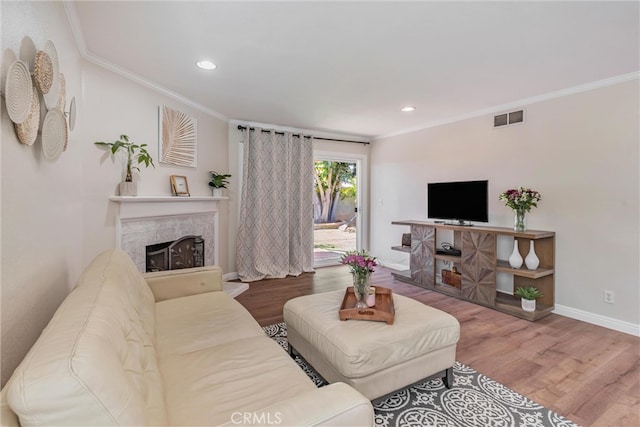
609	297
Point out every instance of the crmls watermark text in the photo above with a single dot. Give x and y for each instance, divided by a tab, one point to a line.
260	418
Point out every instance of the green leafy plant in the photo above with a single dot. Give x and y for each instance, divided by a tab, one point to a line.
219	180
529	293
132	151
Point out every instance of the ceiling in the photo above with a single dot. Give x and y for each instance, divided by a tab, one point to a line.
348	67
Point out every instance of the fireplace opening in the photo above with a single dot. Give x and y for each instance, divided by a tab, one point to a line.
185	252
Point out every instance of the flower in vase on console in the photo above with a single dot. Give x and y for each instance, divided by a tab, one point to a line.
521	198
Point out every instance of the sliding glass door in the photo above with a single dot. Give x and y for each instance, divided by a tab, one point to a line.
336	214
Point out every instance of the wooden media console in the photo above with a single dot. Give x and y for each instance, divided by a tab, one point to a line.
478	263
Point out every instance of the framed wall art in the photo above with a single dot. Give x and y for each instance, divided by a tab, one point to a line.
179	185
178	139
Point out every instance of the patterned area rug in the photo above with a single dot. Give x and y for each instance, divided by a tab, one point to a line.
474	400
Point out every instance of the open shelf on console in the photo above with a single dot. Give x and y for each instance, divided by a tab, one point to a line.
450	258
504	267
511	304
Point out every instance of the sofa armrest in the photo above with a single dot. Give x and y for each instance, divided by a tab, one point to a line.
335	405
7	417
184	282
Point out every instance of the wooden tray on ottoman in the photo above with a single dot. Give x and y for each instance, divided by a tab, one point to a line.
383	311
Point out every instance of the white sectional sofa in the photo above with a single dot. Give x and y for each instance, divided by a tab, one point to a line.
165	349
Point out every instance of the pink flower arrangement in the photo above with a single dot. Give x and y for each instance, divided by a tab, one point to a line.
359	262
521	198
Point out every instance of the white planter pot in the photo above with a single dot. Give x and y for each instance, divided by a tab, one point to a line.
528	304
128	189
217	192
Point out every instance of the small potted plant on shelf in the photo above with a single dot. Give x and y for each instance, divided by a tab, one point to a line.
528	297
132	152
218	182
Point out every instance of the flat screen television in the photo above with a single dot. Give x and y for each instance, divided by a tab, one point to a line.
458	201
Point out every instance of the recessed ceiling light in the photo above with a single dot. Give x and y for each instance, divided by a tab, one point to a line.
206	65
407	108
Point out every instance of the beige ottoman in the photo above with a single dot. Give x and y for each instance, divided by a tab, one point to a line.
373	357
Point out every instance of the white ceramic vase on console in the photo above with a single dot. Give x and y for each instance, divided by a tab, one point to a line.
532	261
515	260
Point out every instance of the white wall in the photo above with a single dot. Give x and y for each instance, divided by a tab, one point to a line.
42	205
115	106
55	214
580	151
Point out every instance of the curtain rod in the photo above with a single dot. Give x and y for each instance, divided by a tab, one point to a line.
240	127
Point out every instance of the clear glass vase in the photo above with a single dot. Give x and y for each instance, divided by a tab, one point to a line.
518	220
361	286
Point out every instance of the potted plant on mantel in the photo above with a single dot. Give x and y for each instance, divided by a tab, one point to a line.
218	182
132	151
528	297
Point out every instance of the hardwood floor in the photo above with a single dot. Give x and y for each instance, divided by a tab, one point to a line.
585	372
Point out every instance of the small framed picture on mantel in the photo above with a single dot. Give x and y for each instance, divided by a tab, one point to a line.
179	186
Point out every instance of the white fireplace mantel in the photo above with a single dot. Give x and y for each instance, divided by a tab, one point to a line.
139	206
151	199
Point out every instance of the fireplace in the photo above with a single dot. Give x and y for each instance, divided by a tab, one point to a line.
146	221
185	252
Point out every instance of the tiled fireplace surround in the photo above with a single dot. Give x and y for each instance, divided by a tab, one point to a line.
144	221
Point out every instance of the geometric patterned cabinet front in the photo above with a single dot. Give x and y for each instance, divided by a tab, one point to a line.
479	267
423	245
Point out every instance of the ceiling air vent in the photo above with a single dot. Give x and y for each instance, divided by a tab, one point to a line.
508	118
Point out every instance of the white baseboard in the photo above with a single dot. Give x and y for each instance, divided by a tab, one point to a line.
597	319
230	276
393	265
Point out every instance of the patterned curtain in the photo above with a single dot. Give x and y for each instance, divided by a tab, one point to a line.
275	234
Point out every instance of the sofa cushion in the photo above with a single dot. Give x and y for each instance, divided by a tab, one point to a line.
191	323
212	385
216	360
95	362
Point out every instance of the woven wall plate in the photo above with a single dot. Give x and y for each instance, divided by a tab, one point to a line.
72	113
54	134
51	97
28	130
43	72
18	91
62	96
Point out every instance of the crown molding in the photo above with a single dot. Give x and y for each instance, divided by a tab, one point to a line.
520	103
89	56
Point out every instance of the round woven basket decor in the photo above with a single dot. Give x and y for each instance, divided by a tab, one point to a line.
72	114
28	130
54	134
62	97
51	97
43	72
18	91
